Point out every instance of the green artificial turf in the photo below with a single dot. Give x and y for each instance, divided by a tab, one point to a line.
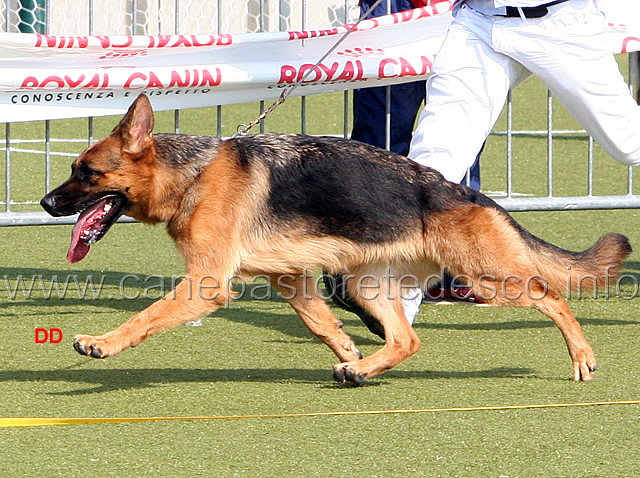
257	358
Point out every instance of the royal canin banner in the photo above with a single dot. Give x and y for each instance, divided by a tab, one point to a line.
54	77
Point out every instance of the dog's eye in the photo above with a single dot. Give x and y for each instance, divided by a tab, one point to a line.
85	173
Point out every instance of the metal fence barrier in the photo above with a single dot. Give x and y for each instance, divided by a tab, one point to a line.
82	17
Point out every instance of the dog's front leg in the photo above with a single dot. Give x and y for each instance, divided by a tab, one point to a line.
194	297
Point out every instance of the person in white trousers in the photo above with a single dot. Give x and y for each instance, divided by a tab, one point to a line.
492	46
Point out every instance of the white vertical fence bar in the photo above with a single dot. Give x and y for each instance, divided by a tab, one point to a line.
549	144
303	99
47	123
590	167
387	106
345	97
509	145
261	18
7	171
47	156
90	32
634	87
218	108
176	30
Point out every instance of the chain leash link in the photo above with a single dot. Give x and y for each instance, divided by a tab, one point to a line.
243	129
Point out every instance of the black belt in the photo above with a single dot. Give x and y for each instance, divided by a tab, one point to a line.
531	12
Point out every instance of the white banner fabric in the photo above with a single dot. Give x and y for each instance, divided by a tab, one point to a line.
54	77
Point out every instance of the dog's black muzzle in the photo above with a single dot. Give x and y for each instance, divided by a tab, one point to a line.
50	204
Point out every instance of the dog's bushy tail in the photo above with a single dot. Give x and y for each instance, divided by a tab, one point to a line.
475	238
568	271
563	271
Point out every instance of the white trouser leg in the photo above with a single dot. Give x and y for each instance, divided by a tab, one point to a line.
584	75
465	95
411	301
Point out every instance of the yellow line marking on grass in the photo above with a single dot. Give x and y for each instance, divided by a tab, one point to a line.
47	421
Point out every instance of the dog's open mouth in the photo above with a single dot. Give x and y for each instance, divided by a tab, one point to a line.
93	224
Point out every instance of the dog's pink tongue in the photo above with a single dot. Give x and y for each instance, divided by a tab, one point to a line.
91	216
78	249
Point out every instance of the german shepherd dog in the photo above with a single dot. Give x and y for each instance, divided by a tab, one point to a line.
281	205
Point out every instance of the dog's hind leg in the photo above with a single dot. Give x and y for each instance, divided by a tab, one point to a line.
554	306
507	266
551	303
378	294
299	291
584	361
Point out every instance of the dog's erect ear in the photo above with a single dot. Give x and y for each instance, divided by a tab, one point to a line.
136	127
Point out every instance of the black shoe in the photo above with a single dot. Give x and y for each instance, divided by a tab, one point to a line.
447	290
454	293
335	285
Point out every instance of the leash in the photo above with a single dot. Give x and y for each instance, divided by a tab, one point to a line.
243	129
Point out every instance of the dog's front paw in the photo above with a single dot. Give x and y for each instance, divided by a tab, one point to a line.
90	346
345	374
